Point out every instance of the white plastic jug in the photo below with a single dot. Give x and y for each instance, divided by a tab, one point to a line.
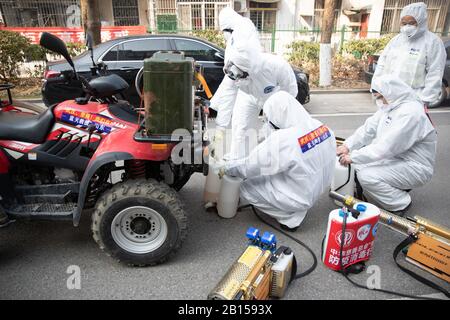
212	186
343	180
229	196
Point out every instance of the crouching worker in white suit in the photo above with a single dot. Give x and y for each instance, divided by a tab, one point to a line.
286	173
394	151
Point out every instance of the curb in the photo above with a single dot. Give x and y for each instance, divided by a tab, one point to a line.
31	100
341	91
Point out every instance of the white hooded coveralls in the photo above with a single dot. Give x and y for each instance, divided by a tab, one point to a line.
419	60
395	148
240	102
244	34
286	173
267	75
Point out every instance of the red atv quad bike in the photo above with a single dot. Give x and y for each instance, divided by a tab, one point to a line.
83	154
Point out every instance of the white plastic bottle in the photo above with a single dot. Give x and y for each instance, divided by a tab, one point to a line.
229	196
343	180
212	186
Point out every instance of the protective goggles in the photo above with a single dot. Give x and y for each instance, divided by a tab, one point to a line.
233	72
374	94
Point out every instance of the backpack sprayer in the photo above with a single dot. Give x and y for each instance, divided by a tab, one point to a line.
263	271
427	245
361	225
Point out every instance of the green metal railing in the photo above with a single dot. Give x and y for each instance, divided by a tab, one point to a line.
271	36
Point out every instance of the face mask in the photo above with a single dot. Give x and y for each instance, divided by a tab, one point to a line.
408	30
242	82
227	36
380	104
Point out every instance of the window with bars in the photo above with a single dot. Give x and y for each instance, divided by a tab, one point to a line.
436	10
199	14
43	13
319	8
263	15
126	12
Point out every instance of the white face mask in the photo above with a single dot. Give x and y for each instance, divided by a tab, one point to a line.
408	30
380	104
227	36
242	82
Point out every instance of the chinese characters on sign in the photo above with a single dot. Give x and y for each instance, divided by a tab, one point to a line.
76	35
352	255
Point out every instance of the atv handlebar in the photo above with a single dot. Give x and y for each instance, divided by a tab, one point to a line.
56	80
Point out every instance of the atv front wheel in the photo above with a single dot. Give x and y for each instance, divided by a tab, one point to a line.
139	222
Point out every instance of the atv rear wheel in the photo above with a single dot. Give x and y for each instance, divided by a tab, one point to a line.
139	222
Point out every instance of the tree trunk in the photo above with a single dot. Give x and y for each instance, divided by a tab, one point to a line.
325	43
90	15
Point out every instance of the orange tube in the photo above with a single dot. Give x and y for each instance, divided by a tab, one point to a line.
204	84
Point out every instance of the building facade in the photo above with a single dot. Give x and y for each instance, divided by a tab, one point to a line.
278	21
67	13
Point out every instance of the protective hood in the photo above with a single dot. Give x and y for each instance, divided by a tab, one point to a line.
246	57
394	90
243	46
229	19
284	111
419	12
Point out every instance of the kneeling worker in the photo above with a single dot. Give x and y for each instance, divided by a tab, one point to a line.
394	151
286	173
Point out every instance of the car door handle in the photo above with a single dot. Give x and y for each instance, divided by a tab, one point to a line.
126	68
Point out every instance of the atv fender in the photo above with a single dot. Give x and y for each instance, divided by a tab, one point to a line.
89	173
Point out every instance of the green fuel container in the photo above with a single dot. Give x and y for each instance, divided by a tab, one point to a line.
168	93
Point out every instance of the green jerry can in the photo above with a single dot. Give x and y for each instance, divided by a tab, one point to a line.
168	93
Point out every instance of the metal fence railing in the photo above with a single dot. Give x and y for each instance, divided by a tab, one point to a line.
277	40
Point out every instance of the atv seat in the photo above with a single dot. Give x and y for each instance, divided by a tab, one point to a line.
25	127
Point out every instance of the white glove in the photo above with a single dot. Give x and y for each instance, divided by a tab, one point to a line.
216	147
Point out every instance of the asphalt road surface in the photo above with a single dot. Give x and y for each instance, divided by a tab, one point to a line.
35	256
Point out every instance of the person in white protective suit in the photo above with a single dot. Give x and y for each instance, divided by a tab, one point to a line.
251	77
239	32
417	56
257	76
394	151
286	173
